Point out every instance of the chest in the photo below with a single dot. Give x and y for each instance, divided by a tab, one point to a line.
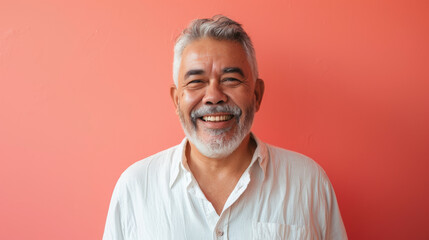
184	212
218	193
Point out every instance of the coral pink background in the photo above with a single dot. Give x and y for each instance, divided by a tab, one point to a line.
84	93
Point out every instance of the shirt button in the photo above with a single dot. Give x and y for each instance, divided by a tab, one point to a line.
219	233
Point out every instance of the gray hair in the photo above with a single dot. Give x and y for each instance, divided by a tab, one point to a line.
220	28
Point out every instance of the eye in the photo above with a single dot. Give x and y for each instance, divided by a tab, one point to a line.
230	81
196	83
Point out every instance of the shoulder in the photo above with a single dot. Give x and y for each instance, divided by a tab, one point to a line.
290	158
300	175
289	163
150	169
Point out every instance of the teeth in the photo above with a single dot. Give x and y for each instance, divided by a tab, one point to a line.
217	118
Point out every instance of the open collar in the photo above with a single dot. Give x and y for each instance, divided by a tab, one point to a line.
179	161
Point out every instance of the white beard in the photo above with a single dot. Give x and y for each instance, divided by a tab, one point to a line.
218	146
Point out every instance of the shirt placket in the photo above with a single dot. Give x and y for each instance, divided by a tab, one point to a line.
218	224
221	229
210	213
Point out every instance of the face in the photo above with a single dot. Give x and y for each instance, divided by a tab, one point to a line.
216	96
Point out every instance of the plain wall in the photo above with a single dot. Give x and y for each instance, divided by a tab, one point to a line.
84	93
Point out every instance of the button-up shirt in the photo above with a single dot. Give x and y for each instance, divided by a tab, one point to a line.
281	195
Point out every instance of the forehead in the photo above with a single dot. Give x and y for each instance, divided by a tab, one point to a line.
213	53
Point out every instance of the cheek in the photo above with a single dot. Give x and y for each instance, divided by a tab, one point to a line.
190	98
242	98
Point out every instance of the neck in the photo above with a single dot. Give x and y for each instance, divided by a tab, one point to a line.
217	177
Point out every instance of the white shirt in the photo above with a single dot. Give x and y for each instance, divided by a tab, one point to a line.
281	195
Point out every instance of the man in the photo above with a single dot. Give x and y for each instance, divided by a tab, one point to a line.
221	182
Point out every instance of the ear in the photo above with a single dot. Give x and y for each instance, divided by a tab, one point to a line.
174	96
259	92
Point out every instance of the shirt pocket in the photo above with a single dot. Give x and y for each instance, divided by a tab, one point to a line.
275	231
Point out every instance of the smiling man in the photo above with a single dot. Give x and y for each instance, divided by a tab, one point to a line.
221	182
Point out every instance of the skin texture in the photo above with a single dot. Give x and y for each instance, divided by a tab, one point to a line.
212	73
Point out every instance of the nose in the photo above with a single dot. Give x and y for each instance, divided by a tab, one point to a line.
214	94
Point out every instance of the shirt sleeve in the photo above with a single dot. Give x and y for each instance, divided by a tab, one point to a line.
113	228
334	226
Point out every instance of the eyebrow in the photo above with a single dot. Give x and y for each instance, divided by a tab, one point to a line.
233	70
225	70
193	72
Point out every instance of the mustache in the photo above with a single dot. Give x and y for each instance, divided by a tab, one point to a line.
207	109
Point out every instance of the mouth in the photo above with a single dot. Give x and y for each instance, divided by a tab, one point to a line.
217	118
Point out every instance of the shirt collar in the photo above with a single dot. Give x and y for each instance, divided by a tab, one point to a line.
260	154
179	158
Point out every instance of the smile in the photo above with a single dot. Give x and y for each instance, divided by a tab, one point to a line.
219	118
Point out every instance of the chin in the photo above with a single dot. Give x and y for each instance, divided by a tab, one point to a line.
218	145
